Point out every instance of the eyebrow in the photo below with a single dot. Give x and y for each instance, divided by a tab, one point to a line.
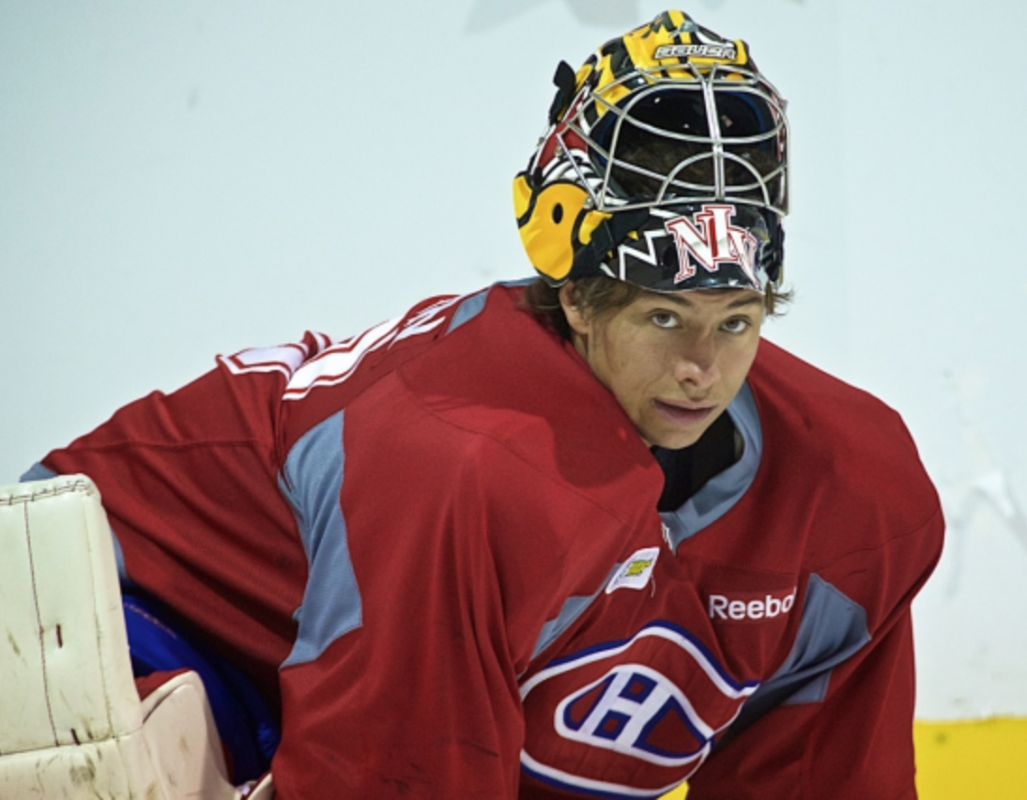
747	300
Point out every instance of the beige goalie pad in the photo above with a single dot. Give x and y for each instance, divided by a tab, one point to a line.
71	722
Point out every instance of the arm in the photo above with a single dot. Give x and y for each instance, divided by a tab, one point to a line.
836	721
188	480
401	683
854	744
413	705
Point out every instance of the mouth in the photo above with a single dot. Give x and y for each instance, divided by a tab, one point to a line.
682	414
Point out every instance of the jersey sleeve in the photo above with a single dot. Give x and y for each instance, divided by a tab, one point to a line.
401	683
416	703
189	484
836	723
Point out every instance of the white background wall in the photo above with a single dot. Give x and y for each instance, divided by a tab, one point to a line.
185	178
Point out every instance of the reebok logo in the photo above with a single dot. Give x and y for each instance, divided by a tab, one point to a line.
750	607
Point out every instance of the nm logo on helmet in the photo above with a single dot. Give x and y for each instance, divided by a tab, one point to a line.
709	239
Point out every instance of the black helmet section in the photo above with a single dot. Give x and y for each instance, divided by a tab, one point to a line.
696	246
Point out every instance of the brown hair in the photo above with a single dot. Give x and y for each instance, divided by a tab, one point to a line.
598	294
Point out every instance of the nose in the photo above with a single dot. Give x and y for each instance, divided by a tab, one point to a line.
695	364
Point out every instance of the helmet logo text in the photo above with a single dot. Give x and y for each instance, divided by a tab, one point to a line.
711	241
699	50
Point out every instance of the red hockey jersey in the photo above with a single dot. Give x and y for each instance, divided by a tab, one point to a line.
439	540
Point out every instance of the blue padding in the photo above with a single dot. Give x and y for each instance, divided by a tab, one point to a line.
247	729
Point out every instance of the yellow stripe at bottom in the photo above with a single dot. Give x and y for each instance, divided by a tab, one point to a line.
984	759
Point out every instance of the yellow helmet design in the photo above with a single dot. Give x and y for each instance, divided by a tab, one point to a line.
664	164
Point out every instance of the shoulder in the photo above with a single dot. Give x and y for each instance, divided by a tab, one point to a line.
841	477
504	389
824	414
500	410
839	446
322	376
819	397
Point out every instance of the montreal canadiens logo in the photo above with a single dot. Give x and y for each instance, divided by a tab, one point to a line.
708	239
659	698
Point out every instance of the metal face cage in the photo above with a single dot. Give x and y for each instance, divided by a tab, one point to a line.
658	137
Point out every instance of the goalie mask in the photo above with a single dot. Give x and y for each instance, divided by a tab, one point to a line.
664	165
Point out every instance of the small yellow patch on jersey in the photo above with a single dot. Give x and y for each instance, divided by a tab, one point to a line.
637	567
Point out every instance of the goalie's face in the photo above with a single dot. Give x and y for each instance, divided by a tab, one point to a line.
674	361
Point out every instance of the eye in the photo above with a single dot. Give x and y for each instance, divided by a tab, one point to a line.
736	325
663	319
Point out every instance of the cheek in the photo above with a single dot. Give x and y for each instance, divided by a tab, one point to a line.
635	361
642	374
618	364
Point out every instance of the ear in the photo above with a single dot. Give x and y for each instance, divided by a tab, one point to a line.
576	318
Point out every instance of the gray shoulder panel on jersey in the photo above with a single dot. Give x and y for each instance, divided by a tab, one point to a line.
833	629
312	481
573	607
722	491
472	306
37	472
468	310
